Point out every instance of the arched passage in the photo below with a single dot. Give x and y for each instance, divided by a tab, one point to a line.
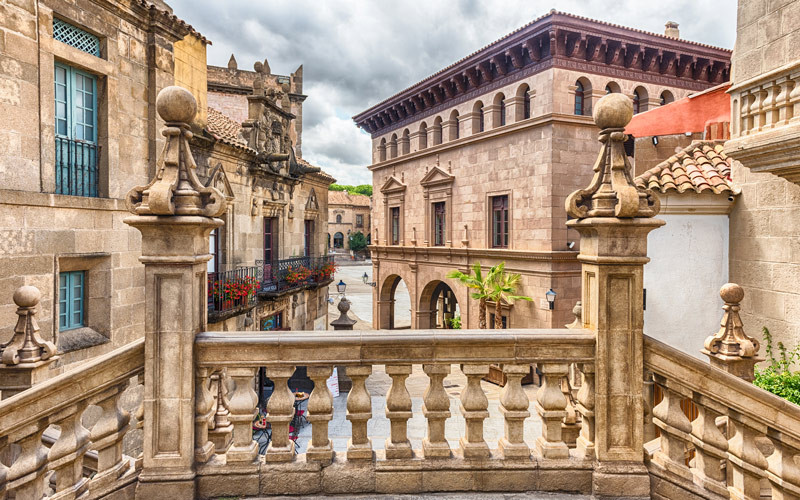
338	240
437	306
394	304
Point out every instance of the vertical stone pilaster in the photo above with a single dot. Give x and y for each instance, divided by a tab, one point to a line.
175	214
613	217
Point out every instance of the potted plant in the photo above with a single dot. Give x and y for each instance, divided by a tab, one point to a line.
325	272
297	274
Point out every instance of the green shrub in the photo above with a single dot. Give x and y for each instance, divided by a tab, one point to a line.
358	241
455	323
777	377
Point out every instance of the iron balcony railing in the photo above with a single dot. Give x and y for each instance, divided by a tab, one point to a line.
286	274
230	290
76	167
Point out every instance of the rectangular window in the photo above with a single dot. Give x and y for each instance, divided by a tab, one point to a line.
395	225
438	223
359	221
76	37
503	320
500	221
270	239
272	322
76	131
308	238
70	300
213	249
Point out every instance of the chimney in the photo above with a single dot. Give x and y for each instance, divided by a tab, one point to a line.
671	30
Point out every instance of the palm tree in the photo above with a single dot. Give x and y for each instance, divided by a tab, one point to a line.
502	288
482	286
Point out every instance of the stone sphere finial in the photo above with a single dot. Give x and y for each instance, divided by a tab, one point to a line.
344	306
731	293
613	111
27	296
176	105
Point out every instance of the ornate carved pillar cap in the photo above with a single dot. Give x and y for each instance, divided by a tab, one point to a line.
612	192
26	347
175	189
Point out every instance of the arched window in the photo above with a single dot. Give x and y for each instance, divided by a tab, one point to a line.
498	113
382	150
522	108
338	240
636	100
639	99
502	112
437	131
477	118
526	105
339	218
405	142
454	125
613	88
579	95
393	146
667	97
423	135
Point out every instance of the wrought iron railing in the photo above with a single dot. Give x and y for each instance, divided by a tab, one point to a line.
286	274
230	290
76	167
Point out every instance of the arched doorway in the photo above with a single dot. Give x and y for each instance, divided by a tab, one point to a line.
394	304
338	240
437	306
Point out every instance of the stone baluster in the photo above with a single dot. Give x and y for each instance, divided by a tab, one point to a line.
731	349
398	411
784	107
26	475
204	411
710	446
756	110
770	105
570	426
783	472
139	415
551	406
585	406
222	429
675	429
280	412
748	465
320	412
66	455
514	407
3	477
242	405
794	99
359	411
474	405
648	399
436	408
106	438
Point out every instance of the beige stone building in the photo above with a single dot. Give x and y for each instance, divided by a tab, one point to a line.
78	83
473	163
347	214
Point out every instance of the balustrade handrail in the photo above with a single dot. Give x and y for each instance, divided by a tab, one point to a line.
74	386
231	349
717	385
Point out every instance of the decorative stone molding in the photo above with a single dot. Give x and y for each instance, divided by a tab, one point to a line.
176	190
612	192
731	349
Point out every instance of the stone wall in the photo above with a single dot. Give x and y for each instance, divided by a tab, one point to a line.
45	233
191	73
767	37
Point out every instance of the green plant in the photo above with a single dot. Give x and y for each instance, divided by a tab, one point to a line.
365	189
503	288
357	241
455	323
481	286
777	377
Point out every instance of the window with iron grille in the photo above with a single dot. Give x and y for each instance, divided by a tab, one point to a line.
76	132
71	288
395	225
438	223
76	37
500	221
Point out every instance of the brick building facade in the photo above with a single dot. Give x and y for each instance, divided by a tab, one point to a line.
474	163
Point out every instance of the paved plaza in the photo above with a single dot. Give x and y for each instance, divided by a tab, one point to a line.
360	297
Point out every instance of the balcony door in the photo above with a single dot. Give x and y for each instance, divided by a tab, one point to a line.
270	240
308	238
76	131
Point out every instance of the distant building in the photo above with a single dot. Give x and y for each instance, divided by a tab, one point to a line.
347	214
473	164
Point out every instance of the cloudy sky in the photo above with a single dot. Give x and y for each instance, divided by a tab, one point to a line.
356	53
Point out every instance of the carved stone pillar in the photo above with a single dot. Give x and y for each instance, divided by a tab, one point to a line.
359	411
731	349
514	407
436	408
320	413
175	214
398	411
280	412
26	357
474	405
613	217
222	429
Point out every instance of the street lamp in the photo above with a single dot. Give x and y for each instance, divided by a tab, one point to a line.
341	287
551	298
366	281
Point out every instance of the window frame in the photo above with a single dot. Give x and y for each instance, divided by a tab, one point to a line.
71	74
273	237
67	299
308	237
580	97
504	222
359	220
439	223
394	218
213	247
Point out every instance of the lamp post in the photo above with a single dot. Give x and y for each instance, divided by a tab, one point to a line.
551	298
365	279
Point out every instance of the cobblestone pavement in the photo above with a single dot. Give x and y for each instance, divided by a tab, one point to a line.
378	428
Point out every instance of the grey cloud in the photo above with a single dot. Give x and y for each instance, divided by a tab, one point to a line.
356	53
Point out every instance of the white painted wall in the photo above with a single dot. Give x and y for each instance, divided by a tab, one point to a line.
688	265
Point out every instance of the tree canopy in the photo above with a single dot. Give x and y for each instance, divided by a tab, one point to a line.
365	189
358	241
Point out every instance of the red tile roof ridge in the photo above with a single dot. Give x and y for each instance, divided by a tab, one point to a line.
691	169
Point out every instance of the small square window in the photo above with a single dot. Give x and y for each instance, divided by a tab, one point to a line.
71	287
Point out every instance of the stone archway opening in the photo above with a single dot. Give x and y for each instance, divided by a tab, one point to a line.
438	306
338	240
394	304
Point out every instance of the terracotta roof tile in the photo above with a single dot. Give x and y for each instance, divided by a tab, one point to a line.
225	129
700	168
344	198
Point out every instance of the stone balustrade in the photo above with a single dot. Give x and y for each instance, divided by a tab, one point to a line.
546	464
744	439
45	450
